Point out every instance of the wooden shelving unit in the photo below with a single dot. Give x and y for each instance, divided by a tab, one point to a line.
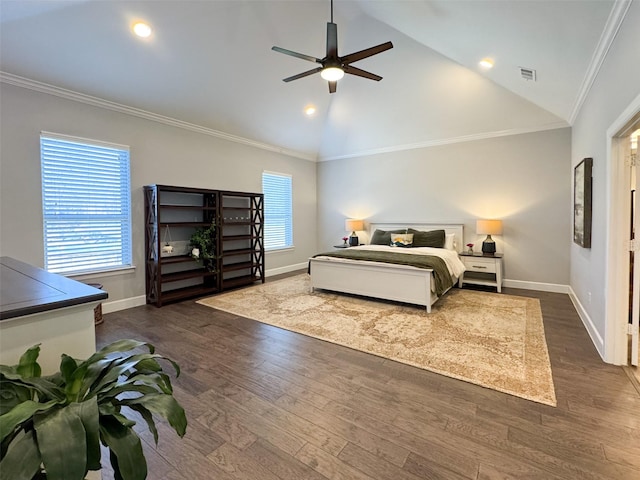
174	213
241	238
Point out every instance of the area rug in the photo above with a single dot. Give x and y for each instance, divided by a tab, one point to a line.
493	340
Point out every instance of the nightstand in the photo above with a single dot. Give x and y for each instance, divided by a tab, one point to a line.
482	270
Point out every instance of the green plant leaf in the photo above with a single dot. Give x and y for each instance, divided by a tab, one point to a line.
22	460
129	386
89	415
147	364
63	444
13	393
108	408
92	373
118	346
148	417
123	366
28	364
124	420
127	448
164	405
67	366
114	465
22	413
9	371
46	389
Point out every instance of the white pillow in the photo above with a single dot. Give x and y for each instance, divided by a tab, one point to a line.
450	241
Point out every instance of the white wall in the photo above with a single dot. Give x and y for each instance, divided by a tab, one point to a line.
617	84
159	154
522	179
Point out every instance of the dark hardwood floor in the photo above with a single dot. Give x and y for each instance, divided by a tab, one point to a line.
267	404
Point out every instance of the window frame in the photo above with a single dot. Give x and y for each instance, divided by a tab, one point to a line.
284	245
110	197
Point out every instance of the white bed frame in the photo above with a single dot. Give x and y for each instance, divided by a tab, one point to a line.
400	283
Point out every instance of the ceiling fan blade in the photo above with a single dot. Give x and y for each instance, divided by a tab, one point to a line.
361	73
367	52
332	40
302	75
332	87
297	55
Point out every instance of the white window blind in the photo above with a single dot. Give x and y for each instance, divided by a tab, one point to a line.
278	217
86	204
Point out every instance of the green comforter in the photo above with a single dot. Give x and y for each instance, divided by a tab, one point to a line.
440	271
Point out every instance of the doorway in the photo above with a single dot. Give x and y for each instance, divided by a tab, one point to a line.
622	283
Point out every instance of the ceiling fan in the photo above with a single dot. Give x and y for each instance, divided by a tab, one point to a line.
333	67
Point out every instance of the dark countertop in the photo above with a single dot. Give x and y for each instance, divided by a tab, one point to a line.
25	289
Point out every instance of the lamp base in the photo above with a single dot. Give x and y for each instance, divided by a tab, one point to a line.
488	246
353	241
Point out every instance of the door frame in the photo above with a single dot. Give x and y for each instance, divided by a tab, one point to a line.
617	262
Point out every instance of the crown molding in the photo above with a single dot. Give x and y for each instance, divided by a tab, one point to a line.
616	17
41	87
449	141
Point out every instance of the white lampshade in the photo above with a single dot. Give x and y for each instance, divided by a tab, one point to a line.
489	227
332	74
351	225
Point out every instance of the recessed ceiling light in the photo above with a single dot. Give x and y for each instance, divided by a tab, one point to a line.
141	29
486	63
310	110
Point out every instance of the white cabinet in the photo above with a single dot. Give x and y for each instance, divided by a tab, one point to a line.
482	270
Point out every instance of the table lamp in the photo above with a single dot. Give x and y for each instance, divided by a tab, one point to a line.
353	225
488	228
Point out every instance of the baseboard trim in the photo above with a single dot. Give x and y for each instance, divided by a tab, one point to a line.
289	268
596	338
138	301
123	304
539	286
117	305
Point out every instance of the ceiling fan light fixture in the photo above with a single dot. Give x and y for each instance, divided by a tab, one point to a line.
332	74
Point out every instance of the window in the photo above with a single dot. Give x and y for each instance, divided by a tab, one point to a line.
278	217
86	204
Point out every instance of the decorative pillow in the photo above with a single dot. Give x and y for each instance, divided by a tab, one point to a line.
402	239
450	241
433	238
382	237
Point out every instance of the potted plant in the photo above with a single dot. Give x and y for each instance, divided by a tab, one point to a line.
203	246
51	426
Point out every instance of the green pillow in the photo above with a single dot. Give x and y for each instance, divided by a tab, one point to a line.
433	238
383	237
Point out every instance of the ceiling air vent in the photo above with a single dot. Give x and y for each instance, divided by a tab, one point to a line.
528	73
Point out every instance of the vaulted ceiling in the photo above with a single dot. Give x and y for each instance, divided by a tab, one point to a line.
209	63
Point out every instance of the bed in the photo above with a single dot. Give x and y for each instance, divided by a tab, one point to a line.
401	283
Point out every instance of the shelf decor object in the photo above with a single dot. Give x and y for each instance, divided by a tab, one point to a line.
353	225
582	203
167	248
488	228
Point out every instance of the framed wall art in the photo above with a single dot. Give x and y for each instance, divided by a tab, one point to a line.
582	203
